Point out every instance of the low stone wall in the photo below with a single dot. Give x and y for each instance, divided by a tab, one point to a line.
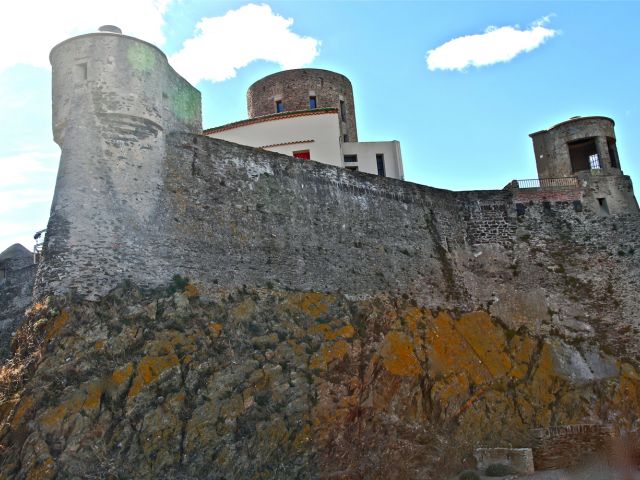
568	445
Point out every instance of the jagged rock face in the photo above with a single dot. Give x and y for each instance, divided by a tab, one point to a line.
262	383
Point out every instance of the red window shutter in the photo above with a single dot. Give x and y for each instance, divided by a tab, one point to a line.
305	155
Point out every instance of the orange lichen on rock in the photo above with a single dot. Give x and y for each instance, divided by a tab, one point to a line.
149	369
216	329
398	355
58	322
24	405
44	471
329	353
94	394
243	310
191	291
487	341
346	331
52	417
121	375
449	353
313	304
521	348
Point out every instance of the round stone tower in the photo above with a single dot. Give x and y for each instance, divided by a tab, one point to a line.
580	144
304	89
115	98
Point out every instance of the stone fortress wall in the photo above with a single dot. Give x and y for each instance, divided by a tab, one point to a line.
294	87
136	198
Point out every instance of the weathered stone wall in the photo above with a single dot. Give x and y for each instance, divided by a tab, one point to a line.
569	445
294	87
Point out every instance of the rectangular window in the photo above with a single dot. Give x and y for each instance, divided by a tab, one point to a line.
345	138
81	72
380	163
353	169
303	154
343	111
279	107
350	158
312	102
613	152
594	162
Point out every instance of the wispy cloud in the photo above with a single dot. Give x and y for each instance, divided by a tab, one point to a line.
496	44
222	45
34	26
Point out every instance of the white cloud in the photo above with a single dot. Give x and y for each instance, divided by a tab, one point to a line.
32	27
21	168
493	46
224	44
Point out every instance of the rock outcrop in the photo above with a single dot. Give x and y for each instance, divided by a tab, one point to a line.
264	383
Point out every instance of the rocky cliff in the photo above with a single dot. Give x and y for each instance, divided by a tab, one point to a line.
200	381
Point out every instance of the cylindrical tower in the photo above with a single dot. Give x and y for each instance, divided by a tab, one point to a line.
115	98
577	145
304	89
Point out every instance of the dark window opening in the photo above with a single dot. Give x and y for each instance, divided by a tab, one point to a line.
577	205
380	163
604	208
353	168
81	71
345	138
520	209
583	154
279	107
613	152
350	158
303	154
312	102
343	111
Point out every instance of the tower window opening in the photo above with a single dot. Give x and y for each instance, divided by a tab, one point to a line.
279	107
312	102
345	138
380	164
81	71
350	158
343	111
604	208
583	155
613	152
303	154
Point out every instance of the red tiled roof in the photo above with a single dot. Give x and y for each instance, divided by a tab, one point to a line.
268	118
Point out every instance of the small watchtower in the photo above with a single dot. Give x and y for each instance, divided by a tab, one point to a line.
580	144
583	150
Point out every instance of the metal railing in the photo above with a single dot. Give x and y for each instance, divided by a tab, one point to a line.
561	182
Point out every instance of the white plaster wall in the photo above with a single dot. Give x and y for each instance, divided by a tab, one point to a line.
322	129
367	151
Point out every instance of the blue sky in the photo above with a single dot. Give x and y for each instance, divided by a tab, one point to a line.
461	126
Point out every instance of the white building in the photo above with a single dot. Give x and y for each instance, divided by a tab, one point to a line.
309	114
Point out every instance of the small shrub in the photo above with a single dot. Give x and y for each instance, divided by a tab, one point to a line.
178	283
499	470
468	475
